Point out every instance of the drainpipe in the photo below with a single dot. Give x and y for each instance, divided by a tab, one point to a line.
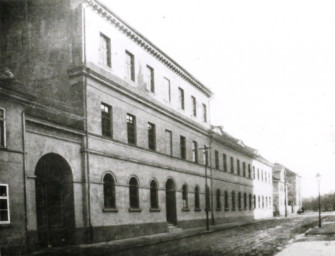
24	177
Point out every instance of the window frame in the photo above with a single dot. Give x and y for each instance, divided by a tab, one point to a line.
226	200
181	98
224	159
8	204
151	136
130	66
197	198
168	85
195	152
194	106
134	198
218	200
154	200
131	126
204	110
106	116
105	58
150	79
216	159
3	137
182	147
111	186
184	197
232	165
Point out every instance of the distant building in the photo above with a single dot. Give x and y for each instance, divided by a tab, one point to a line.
104	136
286	191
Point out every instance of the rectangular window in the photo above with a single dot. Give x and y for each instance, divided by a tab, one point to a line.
253	172
2	128
205	154
131	129
204	107
224	163
231	164
257	173
238	167
168	142
244	169
130	66
167	90
182	147
151	136
249	171
181	98
4	204
106	120
216	158
105	50
194	106
195	152
150	79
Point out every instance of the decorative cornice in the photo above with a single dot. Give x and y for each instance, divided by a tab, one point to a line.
146	45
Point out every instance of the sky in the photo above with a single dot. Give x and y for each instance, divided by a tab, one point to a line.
270	64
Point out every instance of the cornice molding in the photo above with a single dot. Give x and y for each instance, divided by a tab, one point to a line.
146	44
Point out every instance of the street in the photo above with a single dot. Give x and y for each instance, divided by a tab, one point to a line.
263	238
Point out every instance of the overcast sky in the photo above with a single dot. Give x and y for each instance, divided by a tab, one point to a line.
270	64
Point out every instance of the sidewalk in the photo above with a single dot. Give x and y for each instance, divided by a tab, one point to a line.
316	241
124	244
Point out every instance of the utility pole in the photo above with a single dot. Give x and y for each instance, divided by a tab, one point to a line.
318	176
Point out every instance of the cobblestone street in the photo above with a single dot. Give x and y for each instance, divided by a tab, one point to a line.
264	238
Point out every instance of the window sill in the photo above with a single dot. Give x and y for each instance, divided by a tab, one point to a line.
155	210
226	209
110	210
197	209
185	209
5	225
218	209
134	209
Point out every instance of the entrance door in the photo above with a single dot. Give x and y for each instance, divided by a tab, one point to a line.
171	212
54	201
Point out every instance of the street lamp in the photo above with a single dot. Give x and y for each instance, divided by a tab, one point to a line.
204	149
318	177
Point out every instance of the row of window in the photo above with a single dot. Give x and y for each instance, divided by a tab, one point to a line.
245	171
105	59
249	201
106	127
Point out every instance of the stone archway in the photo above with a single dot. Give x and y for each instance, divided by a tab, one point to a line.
54	201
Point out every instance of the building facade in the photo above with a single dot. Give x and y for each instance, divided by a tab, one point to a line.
104	136
286	191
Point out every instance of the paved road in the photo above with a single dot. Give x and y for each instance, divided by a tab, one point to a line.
266	238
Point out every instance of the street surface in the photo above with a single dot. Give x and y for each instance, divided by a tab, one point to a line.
264	238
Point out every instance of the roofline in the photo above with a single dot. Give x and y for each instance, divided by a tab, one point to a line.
147	45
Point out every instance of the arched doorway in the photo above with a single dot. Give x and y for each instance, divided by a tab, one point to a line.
54	201
171	212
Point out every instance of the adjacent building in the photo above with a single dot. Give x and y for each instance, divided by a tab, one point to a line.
103	136
286	191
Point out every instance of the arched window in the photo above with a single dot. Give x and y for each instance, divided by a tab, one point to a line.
226	201
245	201
250	202
153	195
255	202
185	196
133	193
218	200
196	198
109	191
239	201
233	200
269	201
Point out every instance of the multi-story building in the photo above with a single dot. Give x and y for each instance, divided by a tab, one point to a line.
286	191
104	136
